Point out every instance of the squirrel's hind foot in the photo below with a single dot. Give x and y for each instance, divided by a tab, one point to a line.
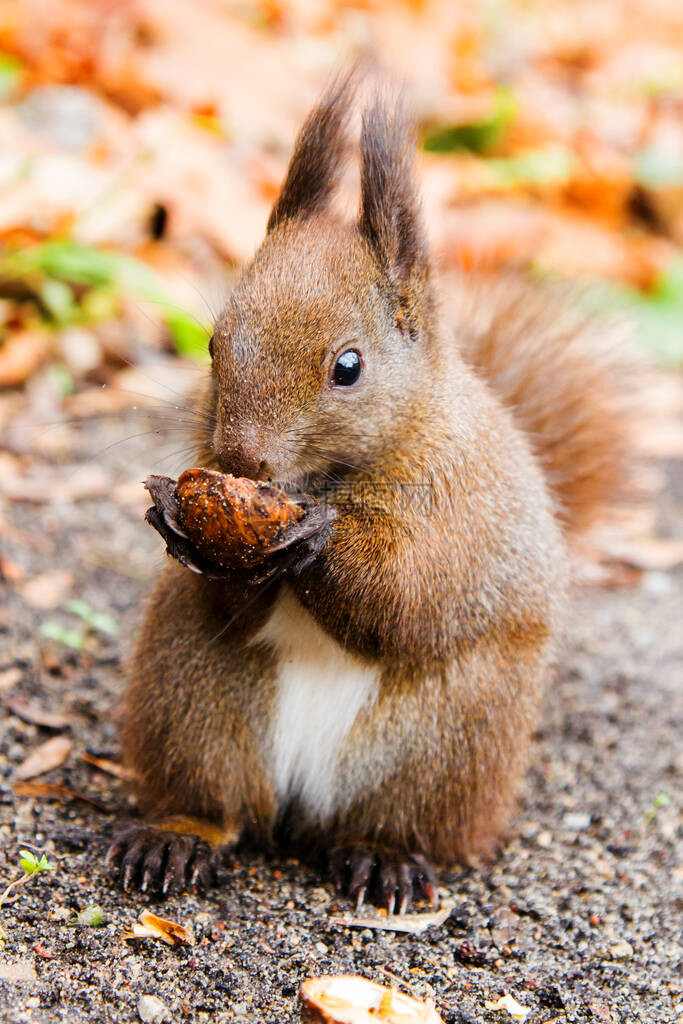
389	878
163	861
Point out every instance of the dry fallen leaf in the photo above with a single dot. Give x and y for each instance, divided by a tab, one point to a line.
20	354
411	924
47	590
108	766
57	791
350	999
32	712
11	571
509	1003
9	677
650	554
44	758
153	927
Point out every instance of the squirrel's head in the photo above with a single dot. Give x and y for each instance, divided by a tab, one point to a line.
326	339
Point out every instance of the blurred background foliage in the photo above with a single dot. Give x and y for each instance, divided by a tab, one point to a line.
144	141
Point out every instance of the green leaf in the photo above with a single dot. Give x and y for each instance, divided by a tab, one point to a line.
477	136
69	637
190	338
59	301
91	917
662	800
81	608
28	862
656	315
52	267
553	164
109	274
100	304
65	260
78	264
96	620
104	623
61	376
11	73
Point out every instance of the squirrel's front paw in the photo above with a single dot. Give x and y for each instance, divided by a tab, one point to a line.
215	525
161	861
304	541
390	878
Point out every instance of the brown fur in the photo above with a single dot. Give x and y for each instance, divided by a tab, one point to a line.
186	734
446	566
571	382
318	158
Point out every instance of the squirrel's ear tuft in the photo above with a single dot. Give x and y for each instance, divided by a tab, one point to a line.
319	152
390	210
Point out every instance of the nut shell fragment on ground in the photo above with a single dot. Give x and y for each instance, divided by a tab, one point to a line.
350	999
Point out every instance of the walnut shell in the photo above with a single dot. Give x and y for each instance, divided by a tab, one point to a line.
233	521
350	999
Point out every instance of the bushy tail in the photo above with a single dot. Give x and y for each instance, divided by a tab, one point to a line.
570	381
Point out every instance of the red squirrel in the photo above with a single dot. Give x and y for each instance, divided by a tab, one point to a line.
375	698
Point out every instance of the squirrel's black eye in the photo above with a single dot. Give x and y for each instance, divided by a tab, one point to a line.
211	347
347	368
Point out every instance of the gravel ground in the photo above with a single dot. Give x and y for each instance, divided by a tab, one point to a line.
578	917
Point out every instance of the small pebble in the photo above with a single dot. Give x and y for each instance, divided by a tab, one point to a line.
152	1011
576	822
621	950
21	971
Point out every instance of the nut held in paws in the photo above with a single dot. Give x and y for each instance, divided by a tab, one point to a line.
233	520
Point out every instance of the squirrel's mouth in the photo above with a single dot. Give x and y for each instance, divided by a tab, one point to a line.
317	484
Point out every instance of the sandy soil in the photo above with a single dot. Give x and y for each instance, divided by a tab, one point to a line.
578	917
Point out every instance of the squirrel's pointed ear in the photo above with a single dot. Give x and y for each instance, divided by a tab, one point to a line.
319	152
390	210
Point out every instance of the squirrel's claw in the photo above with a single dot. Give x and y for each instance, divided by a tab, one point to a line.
159	861
180	547
391	878
295	555
182	852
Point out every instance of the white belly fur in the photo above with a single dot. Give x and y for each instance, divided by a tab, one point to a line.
320	689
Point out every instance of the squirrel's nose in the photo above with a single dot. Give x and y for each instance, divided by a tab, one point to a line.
242	455
241	463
